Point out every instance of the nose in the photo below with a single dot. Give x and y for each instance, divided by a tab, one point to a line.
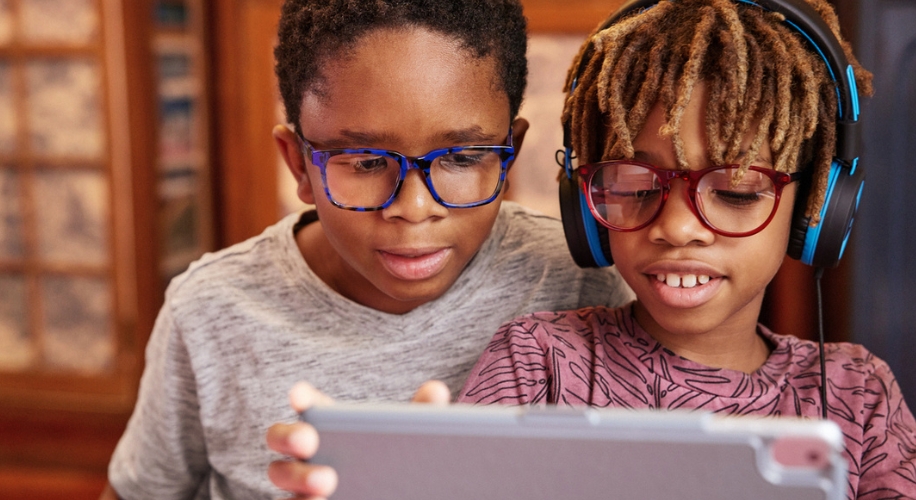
678	224
414	203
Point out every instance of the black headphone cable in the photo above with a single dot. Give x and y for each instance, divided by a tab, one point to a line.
818	273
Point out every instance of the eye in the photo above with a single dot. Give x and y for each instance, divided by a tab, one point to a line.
359	163
465	159
632	190
736	198
370	164
724	187
636	195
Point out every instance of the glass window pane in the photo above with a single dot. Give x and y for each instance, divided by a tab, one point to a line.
11	238
64	108
7	109
74	213
6	23
17	351
61	21
77	324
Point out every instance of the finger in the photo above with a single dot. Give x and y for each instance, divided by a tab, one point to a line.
303	396
298	440
433	391
304	479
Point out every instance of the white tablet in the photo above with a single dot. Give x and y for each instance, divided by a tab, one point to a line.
414	452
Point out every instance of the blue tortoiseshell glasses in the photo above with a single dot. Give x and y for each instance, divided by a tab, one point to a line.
366	179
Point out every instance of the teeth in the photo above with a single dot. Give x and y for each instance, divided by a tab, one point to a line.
685	281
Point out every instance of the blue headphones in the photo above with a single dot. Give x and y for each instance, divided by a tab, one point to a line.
820	246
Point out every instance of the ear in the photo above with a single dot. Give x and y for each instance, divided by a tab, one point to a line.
519	129
291	150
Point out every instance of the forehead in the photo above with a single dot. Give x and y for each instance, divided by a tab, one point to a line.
410	79
655	142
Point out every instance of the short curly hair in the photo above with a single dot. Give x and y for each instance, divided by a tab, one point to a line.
312	32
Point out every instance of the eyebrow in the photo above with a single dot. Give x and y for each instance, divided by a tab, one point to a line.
349	138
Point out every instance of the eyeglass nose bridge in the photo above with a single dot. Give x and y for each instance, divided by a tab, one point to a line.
691	178
408	163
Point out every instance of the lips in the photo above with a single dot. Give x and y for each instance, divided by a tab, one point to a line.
683	284
414	264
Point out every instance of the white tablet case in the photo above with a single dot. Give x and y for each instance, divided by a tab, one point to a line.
414	452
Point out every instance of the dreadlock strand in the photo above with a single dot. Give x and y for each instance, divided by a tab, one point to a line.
773	39
753	96
760	136
576	113
808	76
573	71
614	105
788	155
825	141
726	110
590	132
650	88
714	106
643	38
611	41
687	81
729	14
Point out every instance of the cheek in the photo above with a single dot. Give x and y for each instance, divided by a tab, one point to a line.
624	250
766	250
475	224
348	231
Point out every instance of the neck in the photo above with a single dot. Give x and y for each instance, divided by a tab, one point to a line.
733	346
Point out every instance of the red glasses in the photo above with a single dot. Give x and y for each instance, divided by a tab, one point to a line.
627	195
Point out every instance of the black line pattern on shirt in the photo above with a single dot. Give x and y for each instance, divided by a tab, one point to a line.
535	362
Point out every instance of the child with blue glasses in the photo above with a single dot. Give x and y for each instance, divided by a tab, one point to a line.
709	142
404	124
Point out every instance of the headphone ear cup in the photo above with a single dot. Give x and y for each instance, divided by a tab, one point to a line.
800	221
824	244
587	240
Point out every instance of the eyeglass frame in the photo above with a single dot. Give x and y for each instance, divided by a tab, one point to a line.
423	163
586	174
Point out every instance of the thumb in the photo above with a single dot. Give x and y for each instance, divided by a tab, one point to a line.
303	396
433	391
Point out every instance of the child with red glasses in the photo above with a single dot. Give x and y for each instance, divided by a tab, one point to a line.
694	120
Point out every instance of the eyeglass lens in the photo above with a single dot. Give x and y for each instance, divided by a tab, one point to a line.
369	179
628	196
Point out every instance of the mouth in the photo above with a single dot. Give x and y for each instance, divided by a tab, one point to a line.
686	288
414	264
682	280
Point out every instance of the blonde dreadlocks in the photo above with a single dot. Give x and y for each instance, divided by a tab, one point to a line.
758	70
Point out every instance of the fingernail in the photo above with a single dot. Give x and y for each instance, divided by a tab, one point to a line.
322	479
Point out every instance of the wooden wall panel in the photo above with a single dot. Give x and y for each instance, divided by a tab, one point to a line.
581	16
244	34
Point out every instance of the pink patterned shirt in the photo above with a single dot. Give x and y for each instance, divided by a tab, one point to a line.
602	357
